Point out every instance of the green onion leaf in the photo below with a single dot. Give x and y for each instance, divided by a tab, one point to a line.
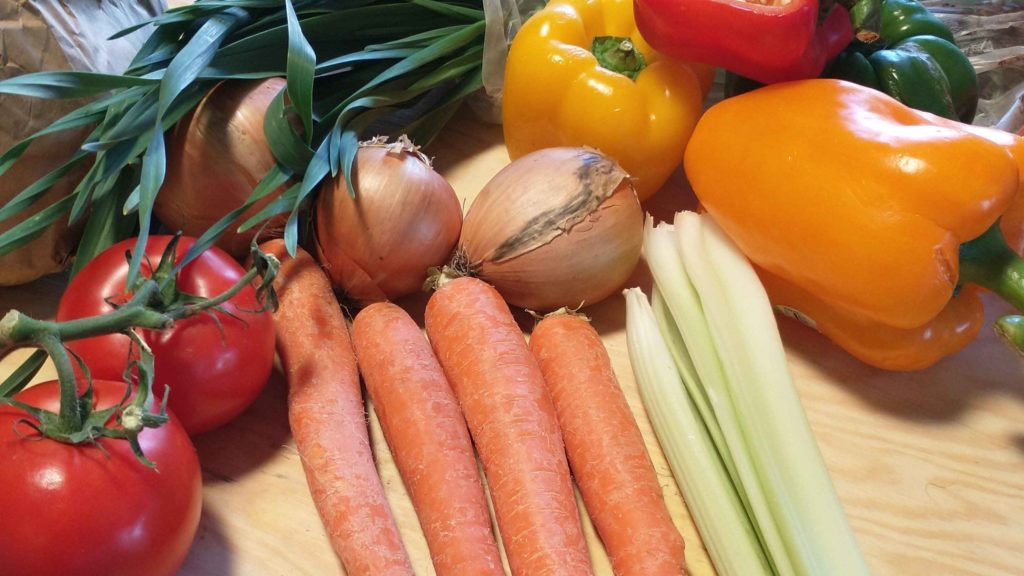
69	84
195	56
108	165
453	10
422	130
420	40
451	69
276	177
344	63
24	374
435	51
154	166
279	205
106	224
38	189
134	122
33	226
288	147
300	69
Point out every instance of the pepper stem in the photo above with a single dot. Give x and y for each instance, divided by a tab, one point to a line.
618	54
988	262
1011	329
865	17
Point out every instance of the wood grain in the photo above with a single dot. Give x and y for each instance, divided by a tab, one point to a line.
929	465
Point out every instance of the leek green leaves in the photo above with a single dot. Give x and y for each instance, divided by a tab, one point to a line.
349	65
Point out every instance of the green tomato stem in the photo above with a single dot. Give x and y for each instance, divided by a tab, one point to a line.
17	329
205	304
70	417
155	304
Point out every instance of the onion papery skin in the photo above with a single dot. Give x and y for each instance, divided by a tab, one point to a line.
216	156
405	219
585	253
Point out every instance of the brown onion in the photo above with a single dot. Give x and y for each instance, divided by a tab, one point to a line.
559	227
215	158
405	219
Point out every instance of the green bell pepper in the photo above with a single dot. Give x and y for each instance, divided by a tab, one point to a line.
902	19
914	61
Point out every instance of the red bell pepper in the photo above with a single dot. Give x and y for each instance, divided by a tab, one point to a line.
771	42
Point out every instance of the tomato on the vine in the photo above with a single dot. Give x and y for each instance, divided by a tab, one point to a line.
215	363
94	509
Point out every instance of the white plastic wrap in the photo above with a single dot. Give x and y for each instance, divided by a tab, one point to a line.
991	33
502	19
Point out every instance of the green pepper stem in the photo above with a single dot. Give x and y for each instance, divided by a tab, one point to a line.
618	54
865	17
988	262
1011	329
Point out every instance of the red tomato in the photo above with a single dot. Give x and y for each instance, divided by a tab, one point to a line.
74	510
214	372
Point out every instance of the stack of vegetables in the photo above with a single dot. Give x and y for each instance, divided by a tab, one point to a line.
241	121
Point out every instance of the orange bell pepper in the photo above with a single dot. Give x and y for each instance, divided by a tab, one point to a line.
881	345
1012	225
579	74
866	216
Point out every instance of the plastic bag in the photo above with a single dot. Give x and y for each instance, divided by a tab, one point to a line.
991	33
502	19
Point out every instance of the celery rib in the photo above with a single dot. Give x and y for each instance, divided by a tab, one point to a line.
805	503
705	485
713	375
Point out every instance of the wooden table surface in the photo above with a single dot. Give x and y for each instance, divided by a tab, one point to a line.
929	465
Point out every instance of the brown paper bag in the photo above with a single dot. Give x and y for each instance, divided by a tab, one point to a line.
37	35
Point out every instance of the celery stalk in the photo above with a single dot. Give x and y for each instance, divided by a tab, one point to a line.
731	404
688	372
695	462
779	441
682	299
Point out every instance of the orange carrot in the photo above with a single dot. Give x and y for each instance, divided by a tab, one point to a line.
328	420
501	390
606	450
424	426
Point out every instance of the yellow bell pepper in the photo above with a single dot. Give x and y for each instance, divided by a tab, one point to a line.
626	100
